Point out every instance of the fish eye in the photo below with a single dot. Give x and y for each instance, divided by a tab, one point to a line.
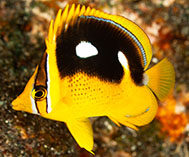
39	93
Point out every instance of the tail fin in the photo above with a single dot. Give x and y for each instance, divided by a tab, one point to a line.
161	78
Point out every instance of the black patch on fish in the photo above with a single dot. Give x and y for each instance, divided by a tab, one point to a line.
41	77
108	39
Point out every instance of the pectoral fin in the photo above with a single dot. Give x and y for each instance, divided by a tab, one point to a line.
82	132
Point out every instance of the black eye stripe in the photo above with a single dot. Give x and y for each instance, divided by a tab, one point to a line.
41	77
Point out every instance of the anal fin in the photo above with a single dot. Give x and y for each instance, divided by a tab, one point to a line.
139	119
82	132
122	120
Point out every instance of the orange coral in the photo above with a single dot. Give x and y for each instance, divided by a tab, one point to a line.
173	123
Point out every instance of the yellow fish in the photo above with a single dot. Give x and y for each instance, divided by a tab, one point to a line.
95	64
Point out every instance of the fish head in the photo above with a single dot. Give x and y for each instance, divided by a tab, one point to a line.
24	101
36	97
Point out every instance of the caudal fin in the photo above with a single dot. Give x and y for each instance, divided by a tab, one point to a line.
161	78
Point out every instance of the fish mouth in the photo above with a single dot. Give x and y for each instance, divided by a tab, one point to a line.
15	105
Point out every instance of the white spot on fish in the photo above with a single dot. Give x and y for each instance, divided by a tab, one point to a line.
145	79
154	60
123	60
86	49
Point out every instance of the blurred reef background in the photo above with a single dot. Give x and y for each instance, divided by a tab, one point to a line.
23	28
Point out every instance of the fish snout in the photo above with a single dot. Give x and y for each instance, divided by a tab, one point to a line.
15	104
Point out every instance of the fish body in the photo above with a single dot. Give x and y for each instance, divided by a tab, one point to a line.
95	64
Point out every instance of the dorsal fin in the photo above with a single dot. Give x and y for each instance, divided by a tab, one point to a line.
71	13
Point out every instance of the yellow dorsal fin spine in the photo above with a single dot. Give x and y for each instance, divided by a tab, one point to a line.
51	32
87	11
77	10
92	12
96	12
57	21
82	10
64	15
70	14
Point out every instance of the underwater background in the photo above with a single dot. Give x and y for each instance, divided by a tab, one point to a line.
23	28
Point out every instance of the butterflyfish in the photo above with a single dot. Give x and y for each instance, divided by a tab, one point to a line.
96	64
